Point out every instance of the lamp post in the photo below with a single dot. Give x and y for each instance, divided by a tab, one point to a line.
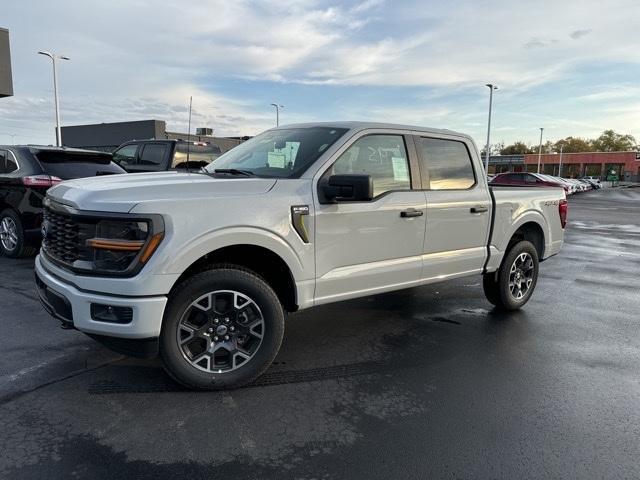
492	87
540	149
560	167
53	57
278	107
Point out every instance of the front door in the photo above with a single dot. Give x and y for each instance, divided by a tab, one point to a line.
373	246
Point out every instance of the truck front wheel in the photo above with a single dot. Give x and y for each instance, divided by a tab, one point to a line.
512	285
222	329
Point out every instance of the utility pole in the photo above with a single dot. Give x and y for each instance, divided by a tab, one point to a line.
53	57
540	149
492	87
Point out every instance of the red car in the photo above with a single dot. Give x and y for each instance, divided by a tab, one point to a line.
527	179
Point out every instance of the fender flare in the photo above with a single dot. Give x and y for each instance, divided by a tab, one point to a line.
529	216
241	235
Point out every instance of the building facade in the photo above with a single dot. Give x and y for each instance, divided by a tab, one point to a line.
108	136
6	81
595	164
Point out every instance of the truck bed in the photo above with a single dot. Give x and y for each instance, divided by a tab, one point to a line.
513	205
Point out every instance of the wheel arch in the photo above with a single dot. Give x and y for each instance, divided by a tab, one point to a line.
531	231
270	266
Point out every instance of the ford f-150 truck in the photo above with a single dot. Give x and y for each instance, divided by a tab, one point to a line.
200	268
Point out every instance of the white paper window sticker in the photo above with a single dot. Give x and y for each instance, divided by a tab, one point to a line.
400	169
276	160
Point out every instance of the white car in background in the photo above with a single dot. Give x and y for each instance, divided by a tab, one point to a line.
571	187
594	181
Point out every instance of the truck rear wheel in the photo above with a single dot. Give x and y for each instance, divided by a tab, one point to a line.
512	285
222	329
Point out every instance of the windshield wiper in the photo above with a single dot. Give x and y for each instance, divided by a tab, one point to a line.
234	171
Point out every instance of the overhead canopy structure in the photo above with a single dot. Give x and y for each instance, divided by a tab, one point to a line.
6	81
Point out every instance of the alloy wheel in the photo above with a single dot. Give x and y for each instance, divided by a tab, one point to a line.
521	275
8	234
220	331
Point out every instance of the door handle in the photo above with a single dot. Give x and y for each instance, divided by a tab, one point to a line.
479	209
411	212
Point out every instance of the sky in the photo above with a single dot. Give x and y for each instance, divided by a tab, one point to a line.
572	67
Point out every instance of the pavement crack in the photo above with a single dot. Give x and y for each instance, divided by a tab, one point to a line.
20	292
7	398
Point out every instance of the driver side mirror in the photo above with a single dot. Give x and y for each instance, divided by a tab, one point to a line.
347	188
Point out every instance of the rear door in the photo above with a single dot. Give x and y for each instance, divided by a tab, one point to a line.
458	208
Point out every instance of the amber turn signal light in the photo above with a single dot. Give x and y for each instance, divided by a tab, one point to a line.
151	247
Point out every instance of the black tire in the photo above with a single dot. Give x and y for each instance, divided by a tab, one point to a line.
490	286
178	363
21	249
497	286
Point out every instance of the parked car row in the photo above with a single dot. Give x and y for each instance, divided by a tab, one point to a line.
570	185
26	172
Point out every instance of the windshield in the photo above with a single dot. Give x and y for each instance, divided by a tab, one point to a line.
282	153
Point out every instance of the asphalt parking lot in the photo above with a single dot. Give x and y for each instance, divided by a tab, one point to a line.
425	383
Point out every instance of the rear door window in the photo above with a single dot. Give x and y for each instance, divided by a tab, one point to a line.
530	178
7	162
445	164
511	178
153	154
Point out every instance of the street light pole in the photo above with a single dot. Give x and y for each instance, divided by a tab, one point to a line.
540	149
560	168
278	107
492	87
53	57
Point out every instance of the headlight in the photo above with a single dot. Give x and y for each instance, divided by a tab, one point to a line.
99	243
123	245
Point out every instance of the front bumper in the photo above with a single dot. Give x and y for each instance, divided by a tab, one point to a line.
72	305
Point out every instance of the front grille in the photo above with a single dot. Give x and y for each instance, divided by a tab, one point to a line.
61	236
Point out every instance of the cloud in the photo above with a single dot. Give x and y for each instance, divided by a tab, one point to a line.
576	34
536	42
132	60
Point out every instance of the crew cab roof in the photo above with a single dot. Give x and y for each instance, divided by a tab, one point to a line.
357	126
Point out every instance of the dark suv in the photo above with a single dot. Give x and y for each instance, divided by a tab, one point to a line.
26	172
158	155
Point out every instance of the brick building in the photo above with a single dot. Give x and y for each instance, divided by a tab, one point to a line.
596	164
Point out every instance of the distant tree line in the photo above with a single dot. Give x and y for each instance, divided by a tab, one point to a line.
609	141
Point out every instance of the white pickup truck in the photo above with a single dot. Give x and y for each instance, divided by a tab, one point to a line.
200	267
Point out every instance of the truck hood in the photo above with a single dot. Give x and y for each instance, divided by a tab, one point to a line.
120	193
